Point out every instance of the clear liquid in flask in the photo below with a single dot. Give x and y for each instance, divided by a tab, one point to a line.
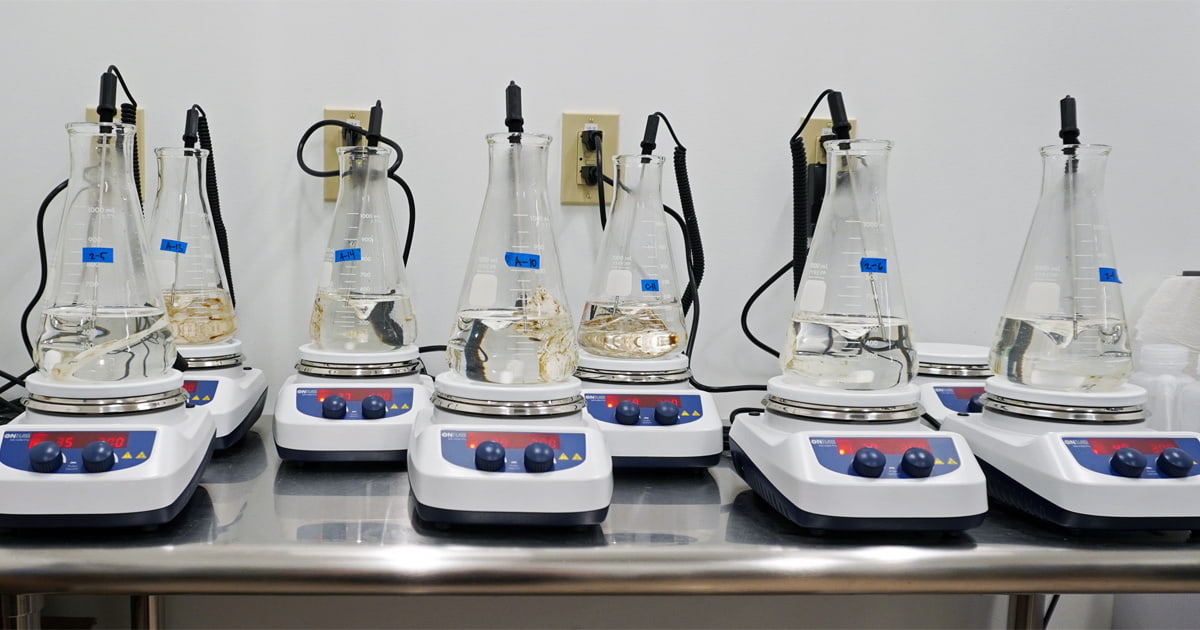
855	352
1085	354
105	343
363	323
201	317
629	330
522	345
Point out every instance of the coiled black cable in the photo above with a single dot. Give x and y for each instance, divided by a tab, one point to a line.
687	205
359	131
129	117
214	198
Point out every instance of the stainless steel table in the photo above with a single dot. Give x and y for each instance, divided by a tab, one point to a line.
257	526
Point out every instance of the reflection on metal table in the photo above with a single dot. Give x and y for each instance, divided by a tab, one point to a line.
259	526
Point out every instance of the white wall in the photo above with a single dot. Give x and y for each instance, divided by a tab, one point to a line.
968	91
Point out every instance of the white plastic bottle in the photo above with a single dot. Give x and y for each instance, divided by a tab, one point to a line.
1173	397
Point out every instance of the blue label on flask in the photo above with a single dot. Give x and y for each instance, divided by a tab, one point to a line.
1108	274
167	245
650	285
873	265
97	254
523	261
345	255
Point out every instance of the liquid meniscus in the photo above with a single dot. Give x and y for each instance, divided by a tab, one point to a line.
531	344
854	352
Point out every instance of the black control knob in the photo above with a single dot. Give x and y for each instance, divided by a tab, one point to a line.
1128	462
666	413
374	407
46	457
334	407
539	457
98	457
975	404
917	462
627	412
1174	462
489	456
869	462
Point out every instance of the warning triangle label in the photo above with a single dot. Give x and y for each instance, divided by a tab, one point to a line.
127	455
952	462
141	455
577	457
563	457
938	462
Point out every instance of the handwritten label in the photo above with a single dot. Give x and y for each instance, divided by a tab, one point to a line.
650	285
873	265
1108	274
167	245
345	255
97	254
523	261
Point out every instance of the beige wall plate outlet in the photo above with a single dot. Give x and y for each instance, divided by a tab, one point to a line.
140	120
335	139
574	156
812	134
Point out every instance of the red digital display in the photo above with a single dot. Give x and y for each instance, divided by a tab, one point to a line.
79	439
1147	446
353	395
889	446
645	402
511	440
189	387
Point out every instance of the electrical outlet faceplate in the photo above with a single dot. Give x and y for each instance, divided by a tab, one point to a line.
574	156
812	135
334	138
140	120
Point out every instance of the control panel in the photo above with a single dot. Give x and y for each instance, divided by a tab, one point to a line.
75	452
959	398
644	409
887	457
513	451
200	392
354	403
1136	457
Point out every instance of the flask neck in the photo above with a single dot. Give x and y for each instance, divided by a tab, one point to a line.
101	164
181	173
1075	172
362	167
517	167
639	183
857	173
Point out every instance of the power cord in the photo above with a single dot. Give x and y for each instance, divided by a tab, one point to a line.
204	135
593	140
373	136
1050	610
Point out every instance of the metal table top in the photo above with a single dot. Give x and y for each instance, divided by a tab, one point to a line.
259	526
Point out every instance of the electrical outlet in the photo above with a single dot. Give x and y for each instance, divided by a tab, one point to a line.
140	121
574	156
812	136
334	138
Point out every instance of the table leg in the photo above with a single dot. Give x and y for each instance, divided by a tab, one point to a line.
1025	611
146	612
20	611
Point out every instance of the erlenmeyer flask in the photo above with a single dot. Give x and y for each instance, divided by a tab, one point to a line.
850	326
513	325
105	319
186	255
633	309
1064	323
363	303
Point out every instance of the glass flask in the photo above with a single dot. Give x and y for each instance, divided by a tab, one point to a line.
850	326
513	325
633	309
187	257
363	302
104	319
1064	323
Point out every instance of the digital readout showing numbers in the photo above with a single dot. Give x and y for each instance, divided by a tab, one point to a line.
889	446
353	395
1148	446
511	440
78	439
612	400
